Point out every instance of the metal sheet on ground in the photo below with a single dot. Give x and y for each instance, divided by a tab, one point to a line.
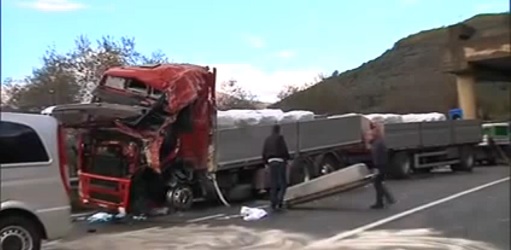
336	182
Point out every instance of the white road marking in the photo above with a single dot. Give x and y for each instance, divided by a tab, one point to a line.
80	215
205	218
414	210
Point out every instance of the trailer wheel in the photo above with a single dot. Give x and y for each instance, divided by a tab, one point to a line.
467	160
327	164
302	170
400	165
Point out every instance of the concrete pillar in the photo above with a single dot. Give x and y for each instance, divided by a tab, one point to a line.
466	95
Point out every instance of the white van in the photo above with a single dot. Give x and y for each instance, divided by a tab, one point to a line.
34	191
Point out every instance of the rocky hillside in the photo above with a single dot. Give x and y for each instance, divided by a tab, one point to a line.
406	78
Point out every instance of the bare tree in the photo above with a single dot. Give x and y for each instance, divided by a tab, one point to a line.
289	90
235	97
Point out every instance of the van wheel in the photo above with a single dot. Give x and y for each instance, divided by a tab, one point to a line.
400	165
18	233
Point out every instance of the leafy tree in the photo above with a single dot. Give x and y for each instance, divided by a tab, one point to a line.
51	84
70	77
90	62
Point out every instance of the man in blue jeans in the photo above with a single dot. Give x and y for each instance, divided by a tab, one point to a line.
276	155
379	155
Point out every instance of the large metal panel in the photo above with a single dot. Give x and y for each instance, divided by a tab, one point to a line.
325	133
402	135
245	144
436	133
467	131
329	184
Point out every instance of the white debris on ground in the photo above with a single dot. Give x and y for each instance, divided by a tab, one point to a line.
252	214
100	217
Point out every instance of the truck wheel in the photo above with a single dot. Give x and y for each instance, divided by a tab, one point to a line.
400	165
19	233
327	164
301	171
180	197
467	160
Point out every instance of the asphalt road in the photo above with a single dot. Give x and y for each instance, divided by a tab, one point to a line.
476	219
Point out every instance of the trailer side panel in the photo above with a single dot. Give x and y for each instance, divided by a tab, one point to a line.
245	144
400	136
435	134
329	133
466	131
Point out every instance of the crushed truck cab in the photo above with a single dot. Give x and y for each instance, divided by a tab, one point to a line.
144	136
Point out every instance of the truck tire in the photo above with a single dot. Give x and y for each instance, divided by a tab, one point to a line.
400	165
18	232
467	160
302	170
327	164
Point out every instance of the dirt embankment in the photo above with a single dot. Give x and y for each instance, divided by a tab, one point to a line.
406	78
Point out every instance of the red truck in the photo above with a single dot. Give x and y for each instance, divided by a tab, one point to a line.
149	138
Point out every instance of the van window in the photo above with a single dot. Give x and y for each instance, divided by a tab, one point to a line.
20	144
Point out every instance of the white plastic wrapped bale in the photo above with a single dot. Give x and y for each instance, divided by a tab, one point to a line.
426	117
225	120
385	118
297	115
245	118
270	116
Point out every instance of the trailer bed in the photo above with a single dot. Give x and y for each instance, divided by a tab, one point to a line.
415	135
336	182
239	146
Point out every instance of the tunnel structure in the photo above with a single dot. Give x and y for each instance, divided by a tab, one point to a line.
476	55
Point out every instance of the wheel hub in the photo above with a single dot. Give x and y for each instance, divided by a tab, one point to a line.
180	197
15	238
326	169
470	161
406	167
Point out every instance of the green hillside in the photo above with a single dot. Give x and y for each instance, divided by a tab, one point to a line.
406	78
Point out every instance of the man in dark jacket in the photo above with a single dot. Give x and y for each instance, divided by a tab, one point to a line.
276	155
379	155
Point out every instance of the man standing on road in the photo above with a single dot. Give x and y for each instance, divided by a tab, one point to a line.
379	155
276	155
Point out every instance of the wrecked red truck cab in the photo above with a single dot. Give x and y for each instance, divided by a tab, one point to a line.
145	138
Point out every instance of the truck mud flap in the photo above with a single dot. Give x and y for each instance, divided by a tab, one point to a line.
342	180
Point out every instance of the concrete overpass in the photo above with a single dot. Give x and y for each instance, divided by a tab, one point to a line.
476	57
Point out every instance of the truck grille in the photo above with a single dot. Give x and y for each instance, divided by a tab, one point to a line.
104	184
105	197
